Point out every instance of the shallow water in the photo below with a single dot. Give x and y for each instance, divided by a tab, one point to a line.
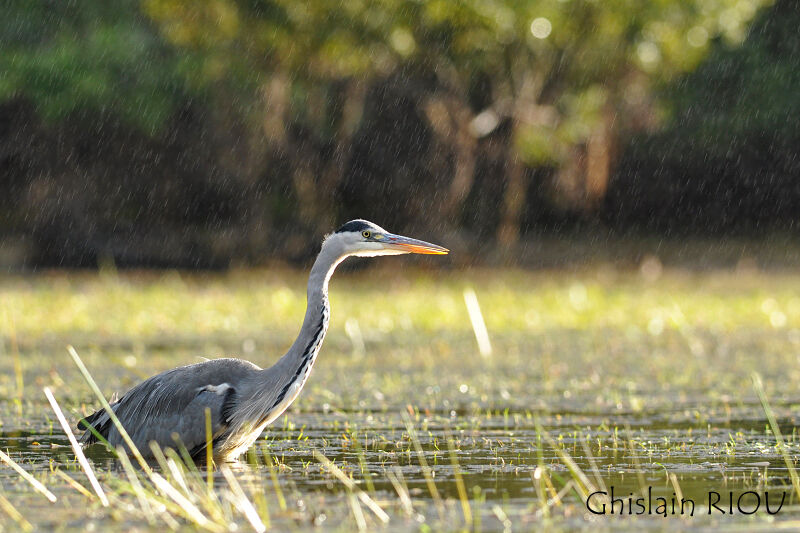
720	458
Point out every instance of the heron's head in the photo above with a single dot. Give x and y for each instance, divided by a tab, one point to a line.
365	239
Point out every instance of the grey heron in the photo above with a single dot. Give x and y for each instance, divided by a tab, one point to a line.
170	408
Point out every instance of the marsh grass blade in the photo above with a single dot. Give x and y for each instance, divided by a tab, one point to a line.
192	479
462	491
242	502
179	478
401	489
259	499
592	463
423	463
74	484
538	486
582	482
676	486
117	424
776	430
556	499
362	461
635	457
138	489
200	486
87	468
209	452
27	477
273	474
358	514
502	517
478	324
191	511
350	484
14	514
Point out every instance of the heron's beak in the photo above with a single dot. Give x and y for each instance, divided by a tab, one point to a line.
412	246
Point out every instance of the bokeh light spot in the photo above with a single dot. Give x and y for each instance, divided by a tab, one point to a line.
541	28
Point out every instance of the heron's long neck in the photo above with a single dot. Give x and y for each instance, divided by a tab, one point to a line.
270	391
315	323
290	372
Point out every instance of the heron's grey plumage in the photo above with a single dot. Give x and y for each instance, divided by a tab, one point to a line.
170	408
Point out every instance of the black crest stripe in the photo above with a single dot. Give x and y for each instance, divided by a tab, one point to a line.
355	225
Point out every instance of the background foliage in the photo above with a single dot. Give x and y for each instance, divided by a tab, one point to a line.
163	132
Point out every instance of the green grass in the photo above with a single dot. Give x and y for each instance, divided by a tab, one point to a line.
598	377
151	306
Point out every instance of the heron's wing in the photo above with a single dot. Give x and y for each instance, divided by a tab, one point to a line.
212	405
174	403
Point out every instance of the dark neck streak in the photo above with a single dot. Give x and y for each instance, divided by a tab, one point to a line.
295	366
309	354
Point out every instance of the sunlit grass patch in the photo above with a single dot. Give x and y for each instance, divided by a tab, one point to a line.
172	306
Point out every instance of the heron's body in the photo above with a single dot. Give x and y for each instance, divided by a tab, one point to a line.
170	408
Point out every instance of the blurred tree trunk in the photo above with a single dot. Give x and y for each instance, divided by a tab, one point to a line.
450	119
526	95
315	173
351	102
599	155
583	178
513	202
276	107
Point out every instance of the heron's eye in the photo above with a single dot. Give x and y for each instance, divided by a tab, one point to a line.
366	234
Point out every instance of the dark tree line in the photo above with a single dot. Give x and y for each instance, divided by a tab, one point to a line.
432	136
